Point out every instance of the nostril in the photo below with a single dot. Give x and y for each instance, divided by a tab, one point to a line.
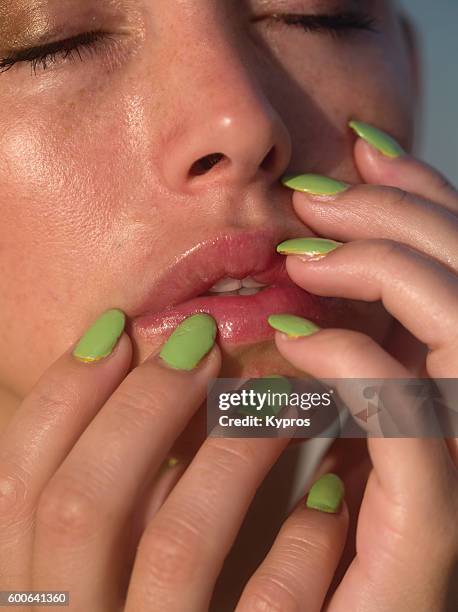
270	160
204	164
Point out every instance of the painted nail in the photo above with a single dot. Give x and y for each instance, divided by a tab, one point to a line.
172	462
315	184
292	326
326	494
275	385
384	143
190	342
101	338
168	464
313	248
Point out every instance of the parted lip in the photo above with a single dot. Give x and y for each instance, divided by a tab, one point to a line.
234	254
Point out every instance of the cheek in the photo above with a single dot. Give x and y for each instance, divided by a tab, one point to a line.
63	181
342	80
78	181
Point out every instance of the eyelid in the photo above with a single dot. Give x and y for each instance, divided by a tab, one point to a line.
57	46
337	22
49	52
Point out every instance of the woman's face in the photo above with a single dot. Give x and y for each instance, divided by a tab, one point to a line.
109	197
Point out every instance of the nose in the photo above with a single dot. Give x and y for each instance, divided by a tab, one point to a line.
226	131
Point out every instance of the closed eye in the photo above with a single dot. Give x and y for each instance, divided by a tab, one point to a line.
44	56
337	24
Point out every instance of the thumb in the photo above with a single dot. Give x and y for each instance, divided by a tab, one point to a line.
381	161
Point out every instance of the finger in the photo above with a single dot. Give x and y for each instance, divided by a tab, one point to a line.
343	354
419	292
369	211
83	519
183	549
169	474
43	431
147	506
402	171
349	458
297	572
154	496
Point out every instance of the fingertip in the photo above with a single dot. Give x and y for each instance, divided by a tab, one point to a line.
119	353
382	142
190	342
124	348
326	494
207	366
375	167
404	172
213	359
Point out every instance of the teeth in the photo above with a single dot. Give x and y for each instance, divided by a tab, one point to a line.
233	286
249	283
249	290
225	285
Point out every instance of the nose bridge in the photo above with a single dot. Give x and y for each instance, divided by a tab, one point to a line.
224	127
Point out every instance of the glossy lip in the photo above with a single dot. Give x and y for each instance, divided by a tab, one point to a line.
180	290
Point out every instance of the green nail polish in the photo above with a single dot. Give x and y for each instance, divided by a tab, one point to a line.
277	386
292	326
167	465
312	247
326	494
100	339
378	139
314	184
190	342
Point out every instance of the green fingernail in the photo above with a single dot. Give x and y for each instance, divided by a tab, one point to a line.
314	184
190	342
292	326
378	139
312	247
277	386
100	339
326	494
168	464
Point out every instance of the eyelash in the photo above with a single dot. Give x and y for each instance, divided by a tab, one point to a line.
71	48
337	25
46	55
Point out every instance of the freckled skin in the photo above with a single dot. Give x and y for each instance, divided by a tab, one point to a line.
95	156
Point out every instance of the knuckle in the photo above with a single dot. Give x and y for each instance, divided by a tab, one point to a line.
16	508
141	401
268	593
392	250
397	196
301	542
68	510
170	552
137	406
443	184
54	398
12	491
231	455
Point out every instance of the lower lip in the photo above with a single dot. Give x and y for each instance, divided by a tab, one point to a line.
240	319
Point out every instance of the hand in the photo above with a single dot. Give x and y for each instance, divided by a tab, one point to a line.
79	459
401	248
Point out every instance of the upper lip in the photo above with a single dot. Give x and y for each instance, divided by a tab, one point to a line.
235	254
